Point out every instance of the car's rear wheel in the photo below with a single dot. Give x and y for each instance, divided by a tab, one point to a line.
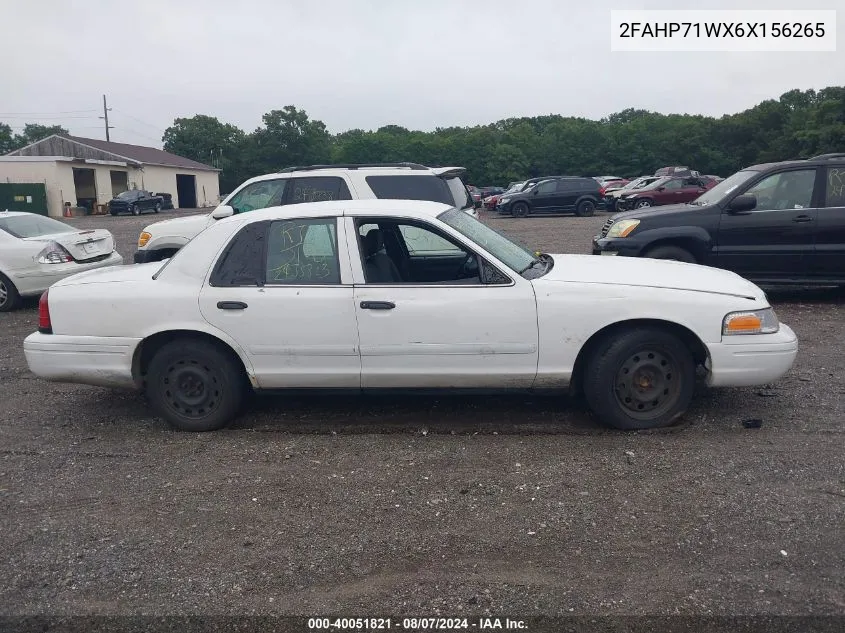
675	253
520	210
9	297
194	385
643	204
158	207
642	378
585	208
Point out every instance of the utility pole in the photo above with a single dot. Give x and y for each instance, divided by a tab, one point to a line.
105	116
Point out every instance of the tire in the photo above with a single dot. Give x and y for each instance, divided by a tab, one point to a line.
675	253
114	213
195	386
134	210
519	210
643	204
9	297
585	208
657	358
157	207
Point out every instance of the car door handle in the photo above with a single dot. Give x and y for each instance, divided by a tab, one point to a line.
377	305
231	305
802	218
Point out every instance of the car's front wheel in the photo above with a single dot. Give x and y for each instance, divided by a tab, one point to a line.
675	253
643	204
158	207
519	210
194	385
9	297
642	378
134	209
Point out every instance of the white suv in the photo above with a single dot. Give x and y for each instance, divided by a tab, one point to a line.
398	181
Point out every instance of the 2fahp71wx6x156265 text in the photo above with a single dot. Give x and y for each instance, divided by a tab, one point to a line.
722	29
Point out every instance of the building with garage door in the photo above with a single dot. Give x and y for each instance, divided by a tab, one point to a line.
87	171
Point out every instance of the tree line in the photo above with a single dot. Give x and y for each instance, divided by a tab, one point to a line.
629	143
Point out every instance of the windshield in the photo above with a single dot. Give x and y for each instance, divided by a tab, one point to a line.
127	195
725	187
512	255
655	183
31	225
515	187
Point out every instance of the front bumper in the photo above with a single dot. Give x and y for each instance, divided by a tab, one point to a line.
625	246
757	359
88	360
145	257
37	280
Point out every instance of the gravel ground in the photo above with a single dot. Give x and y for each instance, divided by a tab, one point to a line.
510	506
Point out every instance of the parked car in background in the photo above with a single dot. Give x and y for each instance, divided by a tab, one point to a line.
676	171
37	251
363	295
296	185
492	201
135	201
475	193
606	180
668	190
166	200
555	195
612	194
777	223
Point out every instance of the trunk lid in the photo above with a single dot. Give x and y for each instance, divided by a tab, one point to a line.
83	246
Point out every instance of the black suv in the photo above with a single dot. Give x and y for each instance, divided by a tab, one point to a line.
777	223
554	195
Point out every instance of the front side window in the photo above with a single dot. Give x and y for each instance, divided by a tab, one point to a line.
259	195
785	190
421	241
302	252
317	189
547	187
673	184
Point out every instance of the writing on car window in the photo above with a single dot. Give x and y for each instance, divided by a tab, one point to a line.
303	252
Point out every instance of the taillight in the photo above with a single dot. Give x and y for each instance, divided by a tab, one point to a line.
44	324
54	253
601	191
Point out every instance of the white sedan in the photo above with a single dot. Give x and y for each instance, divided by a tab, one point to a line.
391	294
36	251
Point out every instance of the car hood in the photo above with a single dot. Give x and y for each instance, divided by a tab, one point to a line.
112	274
186	227
649	273
650	212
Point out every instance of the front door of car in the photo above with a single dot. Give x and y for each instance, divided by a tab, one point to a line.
476	327
691	189
669	192
828	260
283	291
774	240
544	197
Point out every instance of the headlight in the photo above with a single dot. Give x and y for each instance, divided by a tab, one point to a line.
623	228
143	239
503	200
754	322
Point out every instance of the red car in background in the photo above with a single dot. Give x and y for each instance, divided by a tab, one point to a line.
669	190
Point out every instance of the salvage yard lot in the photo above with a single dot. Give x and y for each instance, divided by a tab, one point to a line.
508	505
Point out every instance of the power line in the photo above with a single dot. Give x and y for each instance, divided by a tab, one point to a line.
134	118
46	118
42	114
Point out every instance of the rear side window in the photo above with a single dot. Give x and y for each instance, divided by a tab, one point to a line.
242	261
835	187
303	252
401	187
588	183
317	189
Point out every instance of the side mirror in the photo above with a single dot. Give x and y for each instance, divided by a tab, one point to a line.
661	188
536	191
745	202
223	211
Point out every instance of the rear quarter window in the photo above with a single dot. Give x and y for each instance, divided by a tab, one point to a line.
401	187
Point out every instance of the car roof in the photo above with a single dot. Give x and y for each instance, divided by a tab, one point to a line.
405	208
11	214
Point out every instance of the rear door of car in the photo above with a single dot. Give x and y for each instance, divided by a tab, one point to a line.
775	240
828	260
692	188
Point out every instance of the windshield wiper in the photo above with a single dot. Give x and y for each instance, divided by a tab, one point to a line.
534	262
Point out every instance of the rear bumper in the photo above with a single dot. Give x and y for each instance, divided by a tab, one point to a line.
745	361
36	281
88	360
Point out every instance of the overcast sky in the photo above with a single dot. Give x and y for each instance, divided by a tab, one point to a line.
366	63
